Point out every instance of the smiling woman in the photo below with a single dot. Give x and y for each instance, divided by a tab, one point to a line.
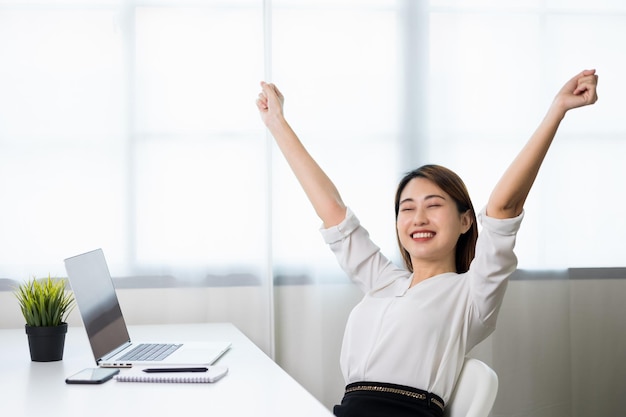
444	189
384	351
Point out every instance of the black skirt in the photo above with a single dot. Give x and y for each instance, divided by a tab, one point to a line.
377	399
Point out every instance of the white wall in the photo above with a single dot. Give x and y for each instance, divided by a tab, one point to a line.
238	305
559	348
309	332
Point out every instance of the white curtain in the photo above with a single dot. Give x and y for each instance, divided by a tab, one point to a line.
494	69
127	125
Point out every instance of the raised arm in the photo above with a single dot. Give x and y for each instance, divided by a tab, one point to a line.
318	187
508	197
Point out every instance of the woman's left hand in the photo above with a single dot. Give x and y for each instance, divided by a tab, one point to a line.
579	91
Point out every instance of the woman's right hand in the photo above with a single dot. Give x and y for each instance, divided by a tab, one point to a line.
270	103
318	187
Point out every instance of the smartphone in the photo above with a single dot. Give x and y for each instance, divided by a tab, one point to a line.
92	376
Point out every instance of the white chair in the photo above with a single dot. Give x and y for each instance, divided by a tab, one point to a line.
475	391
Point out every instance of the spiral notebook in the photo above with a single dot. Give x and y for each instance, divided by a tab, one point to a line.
214	373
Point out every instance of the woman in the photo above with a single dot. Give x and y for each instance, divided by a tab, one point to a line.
405	342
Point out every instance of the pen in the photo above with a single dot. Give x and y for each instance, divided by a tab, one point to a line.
150	370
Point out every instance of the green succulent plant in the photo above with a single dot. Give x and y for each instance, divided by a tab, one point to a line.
44	302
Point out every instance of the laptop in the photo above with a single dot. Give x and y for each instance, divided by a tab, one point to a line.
108	335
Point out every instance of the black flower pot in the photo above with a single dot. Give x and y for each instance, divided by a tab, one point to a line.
46	343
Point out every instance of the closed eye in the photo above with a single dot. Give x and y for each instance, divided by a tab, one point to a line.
434	200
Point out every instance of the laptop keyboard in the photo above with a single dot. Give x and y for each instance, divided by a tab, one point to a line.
150	352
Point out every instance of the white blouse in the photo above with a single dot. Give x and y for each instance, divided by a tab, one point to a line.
419	336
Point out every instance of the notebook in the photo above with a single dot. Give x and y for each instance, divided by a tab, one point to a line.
213	374
108	335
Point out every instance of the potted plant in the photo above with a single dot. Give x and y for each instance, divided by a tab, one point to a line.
45	306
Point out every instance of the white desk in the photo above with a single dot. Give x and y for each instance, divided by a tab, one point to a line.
255	386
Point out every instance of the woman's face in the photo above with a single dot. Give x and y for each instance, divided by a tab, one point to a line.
429	224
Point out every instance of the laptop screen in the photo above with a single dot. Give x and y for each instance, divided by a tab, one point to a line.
97	302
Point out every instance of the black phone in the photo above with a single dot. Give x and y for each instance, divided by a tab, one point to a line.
92	376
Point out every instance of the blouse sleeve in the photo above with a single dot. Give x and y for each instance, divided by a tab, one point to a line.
357	255
493	263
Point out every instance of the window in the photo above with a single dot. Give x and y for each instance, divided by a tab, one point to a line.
495	68
131	126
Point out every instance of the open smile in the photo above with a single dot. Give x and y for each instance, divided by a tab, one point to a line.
422	235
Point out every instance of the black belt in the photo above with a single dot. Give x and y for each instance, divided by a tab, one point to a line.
419	395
